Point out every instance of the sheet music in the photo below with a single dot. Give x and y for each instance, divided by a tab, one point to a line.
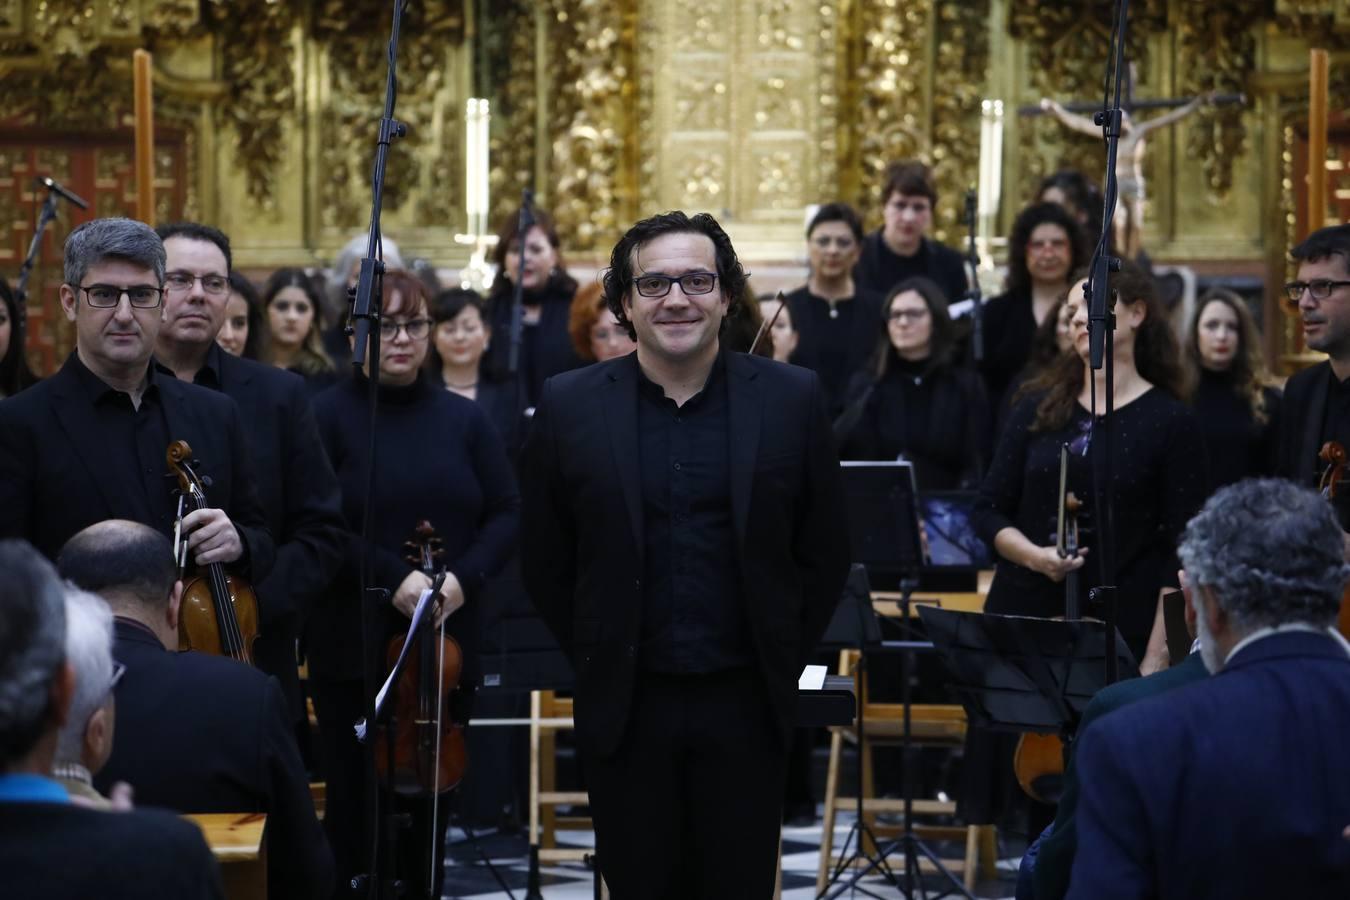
425	604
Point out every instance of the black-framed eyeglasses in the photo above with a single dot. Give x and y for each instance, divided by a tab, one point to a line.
416	329
692	283
1320	288
107	296
907	315
179	282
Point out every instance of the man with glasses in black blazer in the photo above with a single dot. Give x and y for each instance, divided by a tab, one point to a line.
89	443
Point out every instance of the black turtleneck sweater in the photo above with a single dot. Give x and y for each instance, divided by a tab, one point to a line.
438	459
940	420
1238	446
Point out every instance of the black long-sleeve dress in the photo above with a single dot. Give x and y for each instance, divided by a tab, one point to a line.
1159	479
1239	447
439	459
1009	329
939	420
545	346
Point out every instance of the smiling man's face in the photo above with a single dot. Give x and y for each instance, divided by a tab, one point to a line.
678	327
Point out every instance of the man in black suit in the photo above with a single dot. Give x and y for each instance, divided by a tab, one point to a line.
296	485
196	733
684	536
50	847
1316	406
89	443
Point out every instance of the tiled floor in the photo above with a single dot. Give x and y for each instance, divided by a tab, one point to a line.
467	876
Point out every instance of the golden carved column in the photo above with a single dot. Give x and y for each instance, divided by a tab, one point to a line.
736	114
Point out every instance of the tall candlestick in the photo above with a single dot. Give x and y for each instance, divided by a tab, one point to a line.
1317	140
145	137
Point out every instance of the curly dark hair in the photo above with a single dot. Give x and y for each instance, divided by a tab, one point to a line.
1028	220
618	278
1156	356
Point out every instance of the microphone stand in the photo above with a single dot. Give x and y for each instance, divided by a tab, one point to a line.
381	880
973	295
1101	338
54	192
524	223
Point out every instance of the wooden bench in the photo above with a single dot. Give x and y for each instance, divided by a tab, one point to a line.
236	840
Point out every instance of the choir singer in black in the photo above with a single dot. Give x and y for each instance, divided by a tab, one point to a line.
684	536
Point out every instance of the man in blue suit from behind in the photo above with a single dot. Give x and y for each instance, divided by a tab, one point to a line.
1234	786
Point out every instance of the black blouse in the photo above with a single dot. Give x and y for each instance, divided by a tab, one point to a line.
1159	481
939	420
1238	446
834	339
1009	328
545	347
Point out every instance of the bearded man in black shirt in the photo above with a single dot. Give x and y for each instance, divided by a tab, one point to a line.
684	536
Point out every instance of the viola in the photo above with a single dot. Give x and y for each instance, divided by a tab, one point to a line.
1331	483
1039	759
429	752
219	612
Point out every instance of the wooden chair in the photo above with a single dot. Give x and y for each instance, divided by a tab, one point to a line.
930	724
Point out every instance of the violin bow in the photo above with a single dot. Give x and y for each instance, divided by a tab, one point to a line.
767	324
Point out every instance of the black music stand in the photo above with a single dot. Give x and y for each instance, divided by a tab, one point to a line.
883	511
1018	673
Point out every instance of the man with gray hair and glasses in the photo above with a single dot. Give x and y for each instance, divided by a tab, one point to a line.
50	847
1234	786
88	443
87	737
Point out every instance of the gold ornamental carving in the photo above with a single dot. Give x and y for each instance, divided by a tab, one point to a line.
960	65
593	187
514	72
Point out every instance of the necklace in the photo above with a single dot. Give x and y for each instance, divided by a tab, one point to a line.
459	387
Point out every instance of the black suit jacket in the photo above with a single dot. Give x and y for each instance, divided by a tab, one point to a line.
301	501
583	527
53	481
199	734
59	851
1305	402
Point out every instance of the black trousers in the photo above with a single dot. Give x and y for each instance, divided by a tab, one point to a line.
349	816
690	805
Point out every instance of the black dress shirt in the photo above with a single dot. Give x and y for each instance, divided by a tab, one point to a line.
136	440
693	619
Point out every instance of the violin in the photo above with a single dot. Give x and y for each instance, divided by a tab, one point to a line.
430	754
1332	481
1039	759
219	612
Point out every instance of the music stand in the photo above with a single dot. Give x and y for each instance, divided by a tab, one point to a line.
1019	673
883	510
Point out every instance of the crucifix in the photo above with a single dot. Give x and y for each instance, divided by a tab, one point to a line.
1128	224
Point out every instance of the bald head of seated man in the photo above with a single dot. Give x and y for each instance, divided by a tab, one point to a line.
196	733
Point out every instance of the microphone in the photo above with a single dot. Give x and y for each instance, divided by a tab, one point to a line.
55	188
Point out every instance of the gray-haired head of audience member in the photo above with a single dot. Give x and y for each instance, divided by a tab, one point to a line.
1269	553
113	239
346	269
86	738
130	566
32	653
